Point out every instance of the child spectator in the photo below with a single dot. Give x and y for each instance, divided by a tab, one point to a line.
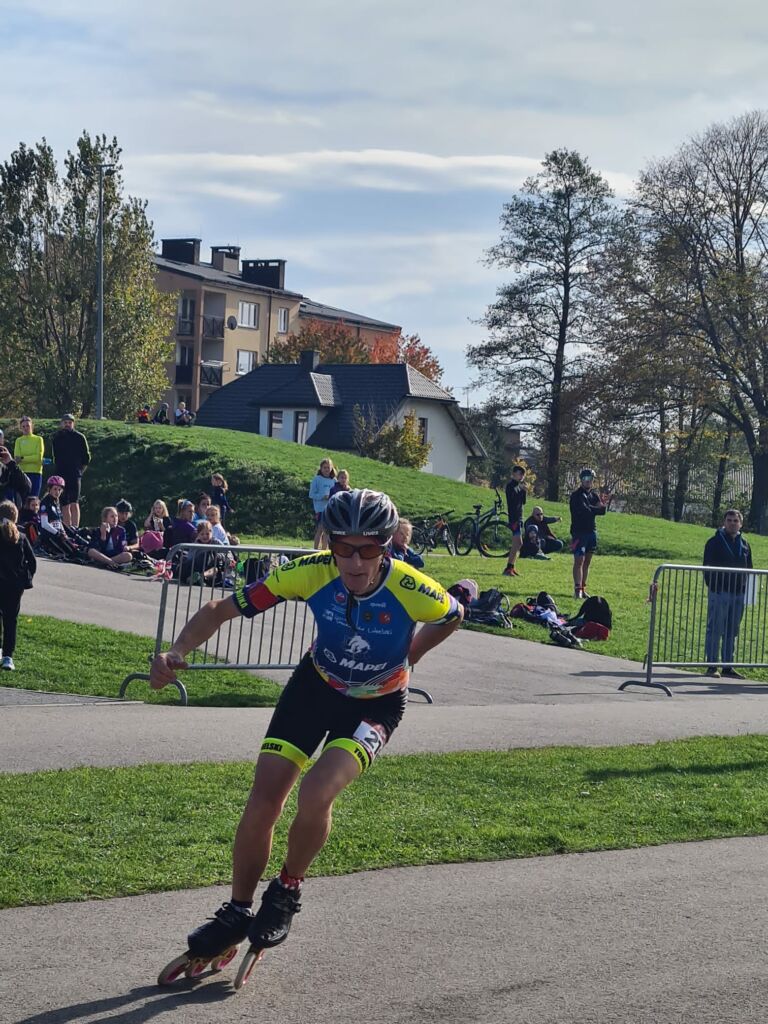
158	519
28	454
399	545
161	416
181	530
50	510
143	414
342	483
219	488
124	513
108	542
532	544
200	566
547	540
29	518
214	518
201	510
319	492
17	567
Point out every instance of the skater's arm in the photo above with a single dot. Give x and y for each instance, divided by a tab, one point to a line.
200	628
431	634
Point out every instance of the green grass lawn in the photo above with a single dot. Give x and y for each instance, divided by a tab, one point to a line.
98	832
68	657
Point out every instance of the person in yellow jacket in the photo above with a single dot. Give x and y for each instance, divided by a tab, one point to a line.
28	454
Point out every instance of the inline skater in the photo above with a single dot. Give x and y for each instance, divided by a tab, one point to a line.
349	693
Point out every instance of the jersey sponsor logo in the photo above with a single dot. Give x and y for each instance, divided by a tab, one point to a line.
330	655
357	645
340	598
362	666
315	560
288	565
385	618
436	595
408	583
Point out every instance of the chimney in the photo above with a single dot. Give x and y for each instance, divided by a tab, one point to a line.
181	250
226	258
309	360
269	273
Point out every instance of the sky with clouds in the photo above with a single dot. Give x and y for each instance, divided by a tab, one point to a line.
372	145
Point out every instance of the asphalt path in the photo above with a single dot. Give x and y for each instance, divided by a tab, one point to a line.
655	936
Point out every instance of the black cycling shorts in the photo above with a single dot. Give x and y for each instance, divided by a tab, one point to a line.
71	493
310	711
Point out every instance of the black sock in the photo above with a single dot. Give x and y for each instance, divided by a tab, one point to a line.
241	905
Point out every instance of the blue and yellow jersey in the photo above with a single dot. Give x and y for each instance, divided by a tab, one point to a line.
361	646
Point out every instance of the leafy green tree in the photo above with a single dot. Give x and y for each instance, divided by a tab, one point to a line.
398	443
551	232
48	286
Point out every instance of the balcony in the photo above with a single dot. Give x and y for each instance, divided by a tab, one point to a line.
185	328
210	376
213	326
183	373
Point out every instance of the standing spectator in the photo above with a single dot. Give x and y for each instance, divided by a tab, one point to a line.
108	542
547	540
399	546
161	416
725	600
124	512
71	455
17	567
516	492
28	452
14	482
320	492
342	483
219	488
585	505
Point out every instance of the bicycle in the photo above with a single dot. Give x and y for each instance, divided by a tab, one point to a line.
486	531
431	531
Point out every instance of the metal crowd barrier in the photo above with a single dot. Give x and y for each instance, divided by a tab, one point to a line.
705	617
275	639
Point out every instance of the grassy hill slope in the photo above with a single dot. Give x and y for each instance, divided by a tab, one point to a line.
269	480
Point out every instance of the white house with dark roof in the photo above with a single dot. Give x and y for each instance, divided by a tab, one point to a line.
313	403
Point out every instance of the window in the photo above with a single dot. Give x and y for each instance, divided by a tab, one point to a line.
246	361
184	356
423	429
275	427
248	314
282	320
186	324
300	426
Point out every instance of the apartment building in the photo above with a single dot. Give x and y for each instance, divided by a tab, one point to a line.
229	313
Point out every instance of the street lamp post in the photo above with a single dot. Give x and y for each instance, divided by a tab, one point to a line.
103	170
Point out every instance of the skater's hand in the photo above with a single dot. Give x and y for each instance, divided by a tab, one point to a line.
164	668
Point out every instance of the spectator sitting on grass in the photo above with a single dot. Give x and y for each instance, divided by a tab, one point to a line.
399	545
532	544
124	513
108	542
218	531
161	416
181	530
158	519
29	518
184	417
548	541
201	510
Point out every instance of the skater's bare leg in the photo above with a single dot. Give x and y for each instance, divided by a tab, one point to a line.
578	568
585	570
332	773
274	779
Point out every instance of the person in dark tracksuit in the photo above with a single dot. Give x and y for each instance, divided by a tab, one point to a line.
585	504
727	591
17	567
516	493
71	456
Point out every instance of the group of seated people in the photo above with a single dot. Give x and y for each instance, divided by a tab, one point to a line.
182	417
116	543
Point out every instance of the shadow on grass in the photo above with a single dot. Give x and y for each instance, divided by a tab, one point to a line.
608	774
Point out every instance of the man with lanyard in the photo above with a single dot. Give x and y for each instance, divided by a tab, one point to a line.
726	597
516	493
349	693
585	504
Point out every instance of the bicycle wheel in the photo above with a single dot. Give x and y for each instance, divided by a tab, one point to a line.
465	536
495	539
418	540
447	538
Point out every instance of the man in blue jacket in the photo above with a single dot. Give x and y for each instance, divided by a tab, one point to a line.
727	591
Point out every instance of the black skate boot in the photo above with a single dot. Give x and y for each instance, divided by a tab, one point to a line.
272	922
228	927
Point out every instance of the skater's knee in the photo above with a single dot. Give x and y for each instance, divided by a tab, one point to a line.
265	806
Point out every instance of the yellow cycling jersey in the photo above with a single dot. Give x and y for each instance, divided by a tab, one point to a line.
361	646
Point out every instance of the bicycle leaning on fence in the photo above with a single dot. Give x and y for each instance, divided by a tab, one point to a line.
431	531
486	531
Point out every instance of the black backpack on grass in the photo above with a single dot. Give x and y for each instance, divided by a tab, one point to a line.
596	609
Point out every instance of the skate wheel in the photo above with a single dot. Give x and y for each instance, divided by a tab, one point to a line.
196	967
250	960
220	962
174	970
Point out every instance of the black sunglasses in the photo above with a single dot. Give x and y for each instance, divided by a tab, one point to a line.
366	551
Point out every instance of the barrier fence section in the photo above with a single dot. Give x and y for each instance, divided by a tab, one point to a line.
702	616
198	573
